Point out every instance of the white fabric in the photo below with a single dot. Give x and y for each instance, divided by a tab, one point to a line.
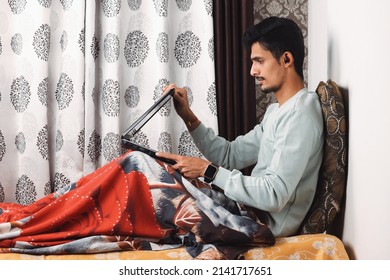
75	74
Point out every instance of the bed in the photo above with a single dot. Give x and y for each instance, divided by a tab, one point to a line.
311	242
300	247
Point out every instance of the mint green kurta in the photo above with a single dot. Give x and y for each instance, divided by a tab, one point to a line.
287	150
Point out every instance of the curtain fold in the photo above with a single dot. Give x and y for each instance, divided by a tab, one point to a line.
235	88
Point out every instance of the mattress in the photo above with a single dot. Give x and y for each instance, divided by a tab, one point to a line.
300	247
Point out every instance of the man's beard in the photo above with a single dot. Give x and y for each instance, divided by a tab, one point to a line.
266	90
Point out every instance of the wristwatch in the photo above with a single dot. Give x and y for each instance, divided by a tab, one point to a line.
210	173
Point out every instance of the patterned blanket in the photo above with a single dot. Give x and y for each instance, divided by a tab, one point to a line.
132	203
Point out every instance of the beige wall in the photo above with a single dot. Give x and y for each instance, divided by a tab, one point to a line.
349	42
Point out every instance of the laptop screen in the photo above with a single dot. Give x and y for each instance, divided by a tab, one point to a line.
144	118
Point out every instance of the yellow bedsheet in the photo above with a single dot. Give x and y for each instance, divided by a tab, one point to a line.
302	247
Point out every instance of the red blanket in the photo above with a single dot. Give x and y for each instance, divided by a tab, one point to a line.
132	203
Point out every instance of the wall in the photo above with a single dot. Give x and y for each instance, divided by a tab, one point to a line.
349	42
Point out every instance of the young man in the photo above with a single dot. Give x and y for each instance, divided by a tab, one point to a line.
286	146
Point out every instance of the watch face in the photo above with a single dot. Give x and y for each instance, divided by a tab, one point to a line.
210	173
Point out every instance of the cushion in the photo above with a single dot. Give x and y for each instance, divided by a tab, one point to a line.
333	174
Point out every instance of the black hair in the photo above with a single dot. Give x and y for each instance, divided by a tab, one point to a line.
278	35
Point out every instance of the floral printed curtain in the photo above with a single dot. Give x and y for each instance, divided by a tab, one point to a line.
75	74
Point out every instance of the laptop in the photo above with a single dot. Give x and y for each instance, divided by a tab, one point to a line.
136	126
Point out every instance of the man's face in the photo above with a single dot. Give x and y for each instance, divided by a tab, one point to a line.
268	71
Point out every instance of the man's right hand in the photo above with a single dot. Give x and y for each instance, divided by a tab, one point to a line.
189	167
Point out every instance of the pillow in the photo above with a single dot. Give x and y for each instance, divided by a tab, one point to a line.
332	177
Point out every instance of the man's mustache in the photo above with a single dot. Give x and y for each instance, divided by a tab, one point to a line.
259	79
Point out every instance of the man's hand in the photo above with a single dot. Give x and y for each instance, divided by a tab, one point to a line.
182	106
189	167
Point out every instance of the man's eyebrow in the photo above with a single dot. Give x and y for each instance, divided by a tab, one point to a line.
257	58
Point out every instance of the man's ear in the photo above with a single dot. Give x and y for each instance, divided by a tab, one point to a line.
287	58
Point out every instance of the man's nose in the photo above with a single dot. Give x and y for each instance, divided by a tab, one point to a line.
253	71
